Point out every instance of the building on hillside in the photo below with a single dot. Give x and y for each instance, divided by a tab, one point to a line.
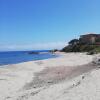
90	39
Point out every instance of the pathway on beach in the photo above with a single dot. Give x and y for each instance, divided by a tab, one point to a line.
53	75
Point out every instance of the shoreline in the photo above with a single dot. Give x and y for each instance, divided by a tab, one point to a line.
18	79
10	58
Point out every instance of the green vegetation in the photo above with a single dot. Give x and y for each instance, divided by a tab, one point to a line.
76	45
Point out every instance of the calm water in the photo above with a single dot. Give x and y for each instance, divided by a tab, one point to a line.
22	56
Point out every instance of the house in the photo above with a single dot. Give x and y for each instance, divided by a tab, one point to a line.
90	39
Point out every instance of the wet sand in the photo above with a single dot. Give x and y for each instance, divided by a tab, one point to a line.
50	76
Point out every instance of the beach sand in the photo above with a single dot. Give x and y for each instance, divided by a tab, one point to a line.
71	76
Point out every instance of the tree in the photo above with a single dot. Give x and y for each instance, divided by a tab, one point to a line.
74	42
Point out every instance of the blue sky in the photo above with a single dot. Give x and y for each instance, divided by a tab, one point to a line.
46	24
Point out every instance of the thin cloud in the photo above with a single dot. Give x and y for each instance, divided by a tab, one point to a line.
38	46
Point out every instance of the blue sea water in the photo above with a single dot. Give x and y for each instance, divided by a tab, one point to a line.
13	57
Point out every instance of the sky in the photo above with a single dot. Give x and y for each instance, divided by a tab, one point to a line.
46	24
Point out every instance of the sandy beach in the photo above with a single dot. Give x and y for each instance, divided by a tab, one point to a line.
70	76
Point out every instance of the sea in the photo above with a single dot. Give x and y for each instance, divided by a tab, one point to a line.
14	57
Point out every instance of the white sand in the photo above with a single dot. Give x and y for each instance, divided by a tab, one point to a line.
17	81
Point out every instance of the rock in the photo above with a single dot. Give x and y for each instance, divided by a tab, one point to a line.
83	77
91	53
33	52
96	60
